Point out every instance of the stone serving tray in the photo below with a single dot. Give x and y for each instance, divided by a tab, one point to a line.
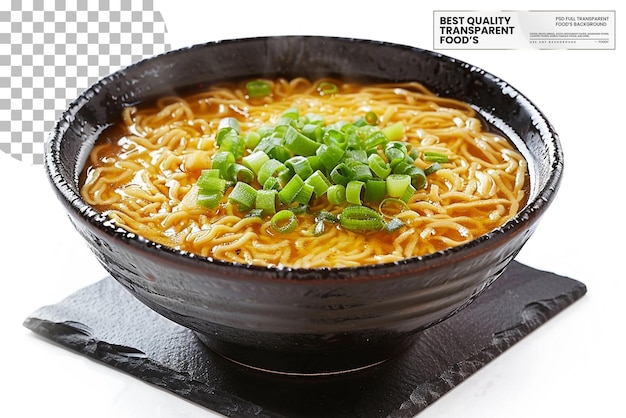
104	322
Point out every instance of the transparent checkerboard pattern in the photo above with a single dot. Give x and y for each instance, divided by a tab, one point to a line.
51	51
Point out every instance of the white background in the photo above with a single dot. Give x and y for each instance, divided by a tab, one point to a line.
570	367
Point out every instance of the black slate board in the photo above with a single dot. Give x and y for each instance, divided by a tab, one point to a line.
105	322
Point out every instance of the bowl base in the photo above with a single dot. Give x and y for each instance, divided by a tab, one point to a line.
317	361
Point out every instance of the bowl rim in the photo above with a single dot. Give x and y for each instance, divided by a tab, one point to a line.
528	214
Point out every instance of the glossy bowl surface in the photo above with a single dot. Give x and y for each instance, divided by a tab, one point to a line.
303	321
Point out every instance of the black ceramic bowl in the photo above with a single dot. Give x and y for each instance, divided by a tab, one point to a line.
303	321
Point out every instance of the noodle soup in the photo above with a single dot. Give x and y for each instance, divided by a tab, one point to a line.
306	173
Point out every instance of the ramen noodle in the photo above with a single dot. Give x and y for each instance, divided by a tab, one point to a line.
305	173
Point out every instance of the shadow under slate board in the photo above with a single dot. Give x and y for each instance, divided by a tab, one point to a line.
104	322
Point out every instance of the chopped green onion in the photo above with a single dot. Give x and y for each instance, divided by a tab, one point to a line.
300	165
258	88
210	200
397	184
341	174
392	201
243	195
394	132
418	177
271	168
361	218
211	188
320	221
284	221
375	190
313	131
326	87
395	156
299	144
353	192
338	138
356	155
315	162
305	194
360	122
403	166
374	139
330	155
210	172
231	141
378	166
223	161
361	171
255	160
292	113
408	193
209	182
298	210
371	118
319	182
435	157
272	183
279	153
336	194
325	215
229	123
432	168
299	158
290	191
242	173
252	139
254	213
266	201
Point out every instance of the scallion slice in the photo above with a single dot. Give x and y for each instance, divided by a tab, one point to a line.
299	165
330	155
271	168
284	221
326	87
432	168
258	88
305	194
397	184
242	173
224	161
371	118
354	189
255	160
378	166
341	174
266	201
298	143
394	132
229	123
336	194
375	190
210	200
290	191
361	218
320	221
243	195
435	157
319	182
210	182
